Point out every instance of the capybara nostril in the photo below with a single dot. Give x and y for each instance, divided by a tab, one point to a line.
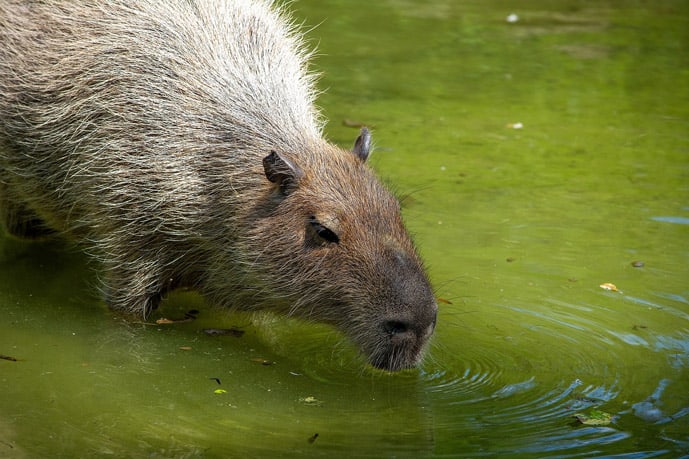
395	327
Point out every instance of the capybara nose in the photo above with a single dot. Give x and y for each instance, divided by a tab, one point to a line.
396	327
399	331
402	330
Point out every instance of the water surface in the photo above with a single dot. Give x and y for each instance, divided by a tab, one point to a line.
536	160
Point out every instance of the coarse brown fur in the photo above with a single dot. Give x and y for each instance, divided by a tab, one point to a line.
178	143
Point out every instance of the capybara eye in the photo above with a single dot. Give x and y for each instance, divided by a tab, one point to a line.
324	233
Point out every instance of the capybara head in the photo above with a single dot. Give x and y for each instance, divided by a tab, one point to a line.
327	241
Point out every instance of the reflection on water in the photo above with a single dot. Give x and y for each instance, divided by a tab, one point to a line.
679	220
519	228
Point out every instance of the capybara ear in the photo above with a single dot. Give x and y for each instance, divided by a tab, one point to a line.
362	145
282	172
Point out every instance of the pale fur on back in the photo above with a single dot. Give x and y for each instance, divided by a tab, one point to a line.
153	109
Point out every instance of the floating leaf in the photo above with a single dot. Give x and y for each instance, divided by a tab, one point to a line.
610	287
443	300
312	401
188	317
594	418
185	348
163	320
219	391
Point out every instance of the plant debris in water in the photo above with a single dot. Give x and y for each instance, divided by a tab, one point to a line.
263	361
311	401
313	437
594	418
610	287
164	321
355	123
189	316
223	331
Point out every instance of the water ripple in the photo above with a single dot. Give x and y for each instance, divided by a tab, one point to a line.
670	219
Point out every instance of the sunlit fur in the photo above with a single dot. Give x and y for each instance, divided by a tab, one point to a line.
138	128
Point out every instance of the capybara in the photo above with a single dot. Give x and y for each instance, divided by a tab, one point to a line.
178	143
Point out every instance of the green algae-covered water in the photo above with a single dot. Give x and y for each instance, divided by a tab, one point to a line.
541	150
